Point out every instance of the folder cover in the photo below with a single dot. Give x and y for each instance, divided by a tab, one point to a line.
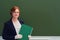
25	31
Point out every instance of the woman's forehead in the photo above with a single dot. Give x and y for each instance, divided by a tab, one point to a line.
17	10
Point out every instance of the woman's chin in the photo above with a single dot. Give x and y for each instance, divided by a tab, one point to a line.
16	17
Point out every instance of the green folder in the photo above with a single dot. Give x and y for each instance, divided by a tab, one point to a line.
25	31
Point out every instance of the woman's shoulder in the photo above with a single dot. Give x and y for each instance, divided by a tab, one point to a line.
21	21
7	22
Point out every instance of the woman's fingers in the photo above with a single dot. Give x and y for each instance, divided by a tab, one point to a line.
18	36
29	36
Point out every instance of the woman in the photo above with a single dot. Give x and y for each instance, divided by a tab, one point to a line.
12	27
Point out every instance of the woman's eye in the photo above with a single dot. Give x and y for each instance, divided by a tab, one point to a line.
16	12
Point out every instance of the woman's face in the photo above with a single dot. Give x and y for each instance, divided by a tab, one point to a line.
16	13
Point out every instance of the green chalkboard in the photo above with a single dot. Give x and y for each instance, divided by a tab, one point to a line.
42	15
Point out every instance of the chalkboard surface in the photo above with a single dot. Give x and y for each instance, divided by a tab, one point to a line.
42	15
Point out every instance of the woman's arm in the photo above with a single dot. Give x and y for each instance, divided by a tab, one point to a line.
6	32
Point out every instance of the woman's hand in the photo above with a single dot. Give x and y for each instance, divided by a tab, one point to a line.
18	36
29	36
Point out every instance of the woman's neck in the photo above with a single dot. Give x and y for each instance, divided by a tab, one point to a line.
14	19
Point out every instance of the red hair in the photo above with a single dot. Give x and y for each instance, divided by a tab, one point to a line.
13	9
